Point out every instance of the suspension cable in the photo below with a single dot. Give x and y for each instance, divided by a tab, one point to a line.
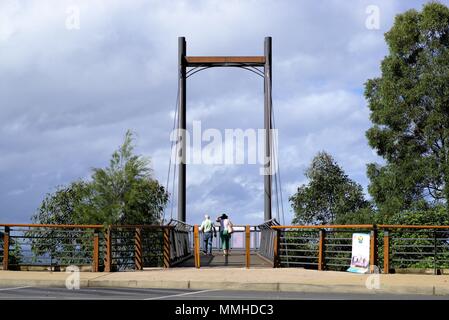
175	120
278	179
174	183
278	170
273	165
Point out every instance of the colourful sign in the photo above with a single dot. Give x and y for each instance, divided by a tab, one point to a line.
360	253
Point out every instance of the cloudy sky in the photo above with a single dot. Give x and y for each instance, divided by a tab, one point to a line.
68	94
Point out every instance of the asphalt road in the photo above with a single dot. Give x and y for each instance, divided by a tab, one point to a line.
21	293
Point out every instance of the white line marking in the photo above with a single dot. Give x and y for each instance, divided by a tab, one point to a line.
181	294
15	288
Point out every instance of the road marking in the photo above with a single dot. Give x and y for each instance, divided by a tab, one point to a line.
181	294
15	288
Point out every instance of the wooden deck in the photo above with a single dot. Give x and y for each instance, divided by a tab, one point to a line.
236	259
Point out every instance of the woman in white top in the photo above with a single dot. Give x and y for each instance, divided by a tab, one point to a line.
225	236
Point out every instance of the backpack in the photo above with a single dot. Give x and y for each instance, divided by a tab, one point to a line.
230	227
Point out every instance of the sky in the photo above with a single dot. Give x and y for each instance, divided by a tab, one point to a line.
76	75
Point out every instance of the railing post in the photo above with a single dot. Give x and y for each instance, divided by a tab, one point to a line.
138	249
435	252
276	247
95	258
248	246
386	252
6	248
196	246
373	250
166	247
108	257
321	248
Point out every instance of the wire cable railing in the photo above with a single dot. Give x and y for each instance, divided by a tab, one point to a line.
397	248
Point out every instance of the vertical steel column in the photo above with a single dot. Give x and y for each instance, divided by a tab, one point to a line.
267	127
182	128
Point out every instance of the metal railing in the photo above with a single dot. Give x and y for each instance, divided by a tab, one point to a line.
394	247
143	246
244	238
238	239
53	247
180	241
117	248
135	247
414	247
92	247
326	247
267	239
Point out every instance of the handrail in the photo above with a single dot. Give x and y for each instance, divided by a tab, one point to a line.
83	226
143	226
324	247
396	244
361	226
336	226
39	225
174	222
408	226
348	226
268	224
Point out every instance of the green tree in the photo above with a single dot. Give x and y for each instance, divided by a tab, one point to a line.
329	196
432	216
409	106
125	192
122	193
420	245
66	205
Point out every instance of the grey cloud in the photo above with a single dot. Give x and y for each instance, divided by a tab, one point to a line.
67	97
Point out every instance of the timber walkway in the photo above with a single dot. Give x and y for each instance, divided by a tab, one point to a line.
237	259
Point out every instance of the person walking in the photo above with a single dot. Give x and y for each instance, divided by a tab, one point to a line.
207	227
226	230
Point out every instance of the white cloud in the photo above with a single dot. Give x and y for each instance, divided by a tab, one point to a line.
67	97
365	42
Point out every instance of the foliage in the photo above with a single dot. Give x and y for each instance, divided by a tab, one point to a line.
416	248
365	215
66	205
432	216
122	193
15	255
409	111
329	196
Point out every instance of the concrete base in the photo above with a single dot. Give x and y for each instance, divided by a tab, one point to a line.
280	280
421	271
